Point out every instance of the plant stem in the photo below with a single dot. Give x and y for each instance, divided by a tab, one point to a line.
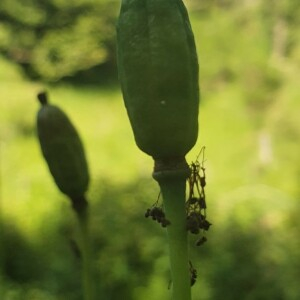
172	183
82	215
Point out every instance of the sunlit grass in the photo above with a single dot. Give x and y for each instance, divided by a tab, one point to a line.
99	115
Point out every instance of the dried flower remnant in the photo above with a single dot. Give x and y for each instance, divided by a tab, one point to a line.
157	213
193	273
197	222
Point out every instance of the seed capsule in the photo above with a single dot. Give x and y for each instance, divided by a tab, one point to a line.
62	149
158	71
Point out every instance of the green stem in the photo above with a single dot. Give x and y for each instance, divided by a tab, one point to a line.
172	181
80	207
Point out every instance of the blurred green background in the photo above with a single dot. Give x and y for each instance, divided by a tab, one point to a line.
249	54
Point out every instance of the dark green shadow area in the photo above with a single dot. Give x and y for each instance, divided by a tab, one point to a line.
247	256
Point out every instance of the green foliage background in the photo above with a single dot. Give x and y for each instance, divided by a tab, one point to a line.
57	39
249	122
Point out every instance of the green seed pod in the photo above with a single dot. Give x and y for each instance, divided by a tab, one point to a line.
158	71
62	149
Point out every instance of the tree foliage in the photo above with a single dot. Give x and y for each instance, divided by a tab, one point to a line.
53	39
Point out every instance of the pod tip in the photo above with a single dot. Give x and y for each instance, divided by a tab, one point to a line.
42	97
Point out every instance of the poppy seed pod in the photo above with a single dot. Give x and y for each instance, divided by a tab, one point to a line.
62	149
158	72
